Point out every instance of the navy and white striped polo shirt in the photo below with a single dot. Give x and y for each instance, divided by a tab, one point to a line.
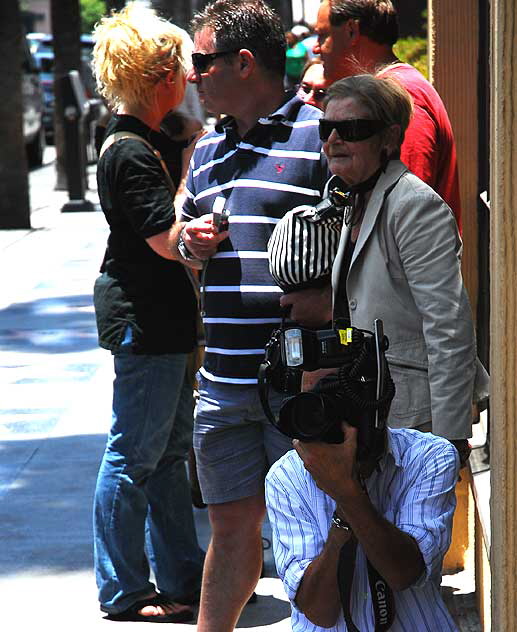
277	165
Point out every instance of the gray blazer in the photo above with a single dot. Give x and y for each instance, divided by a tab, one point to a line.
406	270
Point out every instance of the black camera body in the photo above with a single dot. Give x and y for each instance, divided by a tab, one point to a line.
309	350
360	392
221	221
220	214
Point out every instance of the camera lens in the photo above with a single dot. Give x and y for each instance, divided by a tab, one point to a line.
303	417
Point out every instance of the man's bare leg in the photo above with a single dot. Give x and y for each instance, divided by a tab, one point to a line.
233	562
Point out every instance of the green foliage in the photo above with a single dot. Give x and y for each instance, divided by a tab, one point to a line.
91	12
413	50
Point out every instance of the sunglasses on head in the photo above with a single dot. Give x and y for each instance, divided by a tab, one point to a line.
351	130
319	94
203	61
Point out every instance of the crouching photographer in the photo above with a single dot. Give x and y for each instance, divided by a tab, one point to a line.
361	514
359	544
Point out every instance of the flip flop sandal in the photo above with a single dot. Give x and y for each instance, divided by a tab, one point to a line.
190	599
132	613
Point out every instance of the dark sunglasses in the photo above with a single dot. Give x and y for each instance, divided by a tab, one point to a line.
306	88
203	61
351	130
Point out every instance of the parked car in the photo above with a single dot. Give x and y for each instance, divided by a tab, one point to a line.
33	106
45	64
41	45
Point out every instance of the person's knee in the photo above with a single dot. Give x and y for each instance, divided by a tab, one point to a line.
139	460
135	469
237	520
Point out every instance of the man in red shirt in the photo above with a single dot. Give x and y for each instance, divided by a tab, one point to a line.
357	36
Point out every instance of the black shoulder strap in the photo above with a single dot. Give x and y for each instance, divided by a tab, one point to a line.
381	594
345	576
382	599
116	136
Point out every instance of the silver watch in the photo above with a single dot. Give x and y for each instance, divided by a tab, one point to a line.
183	250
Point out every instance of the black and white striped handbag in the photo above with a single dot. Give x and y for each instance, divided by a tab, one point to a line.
304	243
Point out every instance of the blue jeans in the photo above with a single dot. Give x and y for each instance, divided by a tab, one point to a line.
142	489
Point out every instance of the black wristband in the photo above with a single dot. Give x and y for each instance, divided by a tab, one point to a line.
340	523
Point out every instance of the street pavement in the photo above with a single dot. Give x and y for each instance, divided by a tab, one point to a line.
55	392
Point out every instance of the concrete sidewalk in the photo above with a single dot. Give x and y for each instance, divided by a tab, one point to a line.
55	407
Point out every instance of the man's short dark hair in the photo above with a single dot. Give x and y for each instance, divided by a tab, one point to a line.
250	24
377	18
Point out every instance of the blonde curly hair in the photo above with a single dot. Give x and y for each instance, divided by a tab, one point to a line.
134	49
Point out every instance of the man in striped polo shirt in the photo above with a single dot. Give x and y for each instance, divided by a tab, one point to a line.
263	159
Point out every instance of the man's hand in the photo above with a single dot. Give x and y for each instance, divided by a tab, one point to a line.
332	465
201	237
311	378
311	308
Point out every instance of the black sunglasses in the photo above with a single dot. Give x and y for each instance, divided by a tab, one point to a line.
306	88
351	130
203	61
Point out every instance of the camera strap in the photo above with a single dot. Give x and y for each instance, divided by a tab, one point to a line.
381	594
345	577
269	363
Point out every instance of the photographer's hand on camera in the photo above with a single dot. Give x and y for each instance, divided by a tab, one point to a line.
334	469
311	378
394	554
311	307
332	465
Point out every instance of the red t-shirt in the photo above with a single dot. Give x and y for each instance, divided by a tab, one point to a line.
429	150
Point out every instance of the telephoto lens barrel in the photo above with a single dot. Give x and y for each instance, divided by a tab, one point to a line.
312	416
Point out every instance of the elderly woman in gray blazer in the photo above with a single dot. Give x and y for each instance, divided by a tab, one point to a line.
399	260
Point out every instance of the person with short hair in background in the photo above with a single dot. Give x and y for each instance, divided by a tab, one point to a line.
261	160
312	88
146	311
295	59
357	36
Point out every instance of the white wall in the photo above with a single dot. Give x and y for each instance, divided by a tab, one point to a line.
40	7
305	10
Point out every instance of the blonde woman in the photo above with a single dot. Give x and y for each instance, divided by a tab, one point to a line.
146	315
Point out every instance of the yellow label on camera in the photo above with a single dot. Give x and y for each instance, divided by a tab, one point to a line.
345	335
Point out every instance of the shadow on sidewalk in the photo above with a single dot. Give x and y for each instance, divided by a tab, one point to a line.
58	324
46	496
47	488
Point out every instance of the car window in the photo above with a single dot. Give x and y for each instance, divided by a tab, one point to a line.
28	63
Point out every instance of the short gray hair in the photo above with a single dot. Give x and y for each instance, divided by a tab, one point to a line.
385	98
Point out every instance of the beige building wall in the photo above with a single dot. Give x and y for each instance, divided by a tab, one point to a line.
454	59
453	56
453	64
503	305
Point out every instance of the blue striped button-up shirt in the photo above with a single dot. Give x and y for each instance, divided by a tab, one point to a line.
413	489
